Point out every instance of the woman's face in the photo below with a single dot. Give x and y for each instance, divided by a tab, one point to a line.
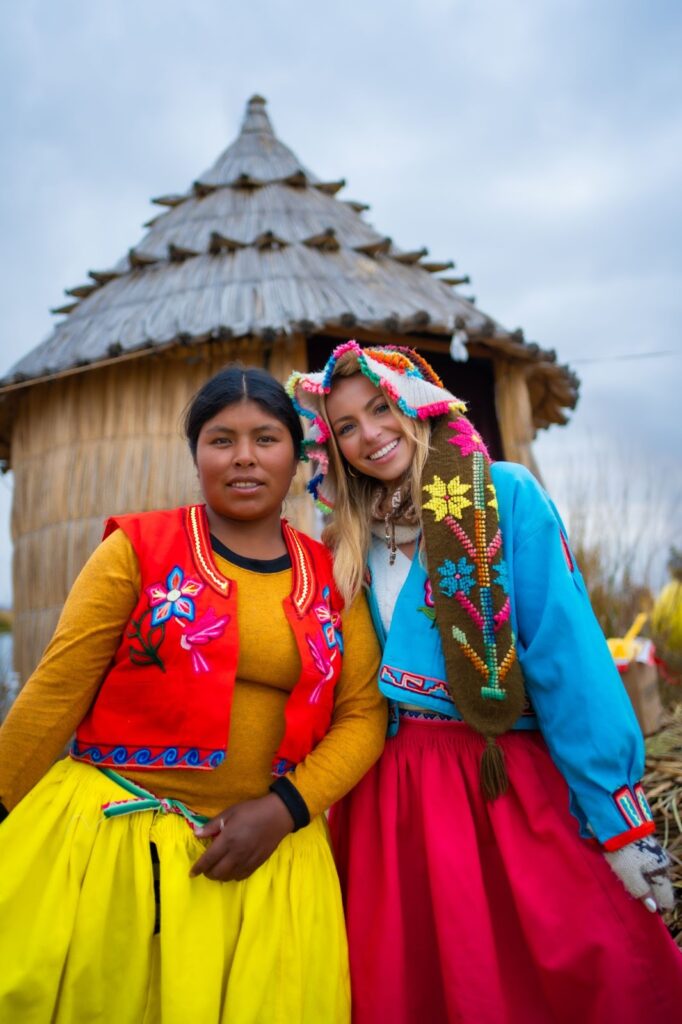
246	462
369	434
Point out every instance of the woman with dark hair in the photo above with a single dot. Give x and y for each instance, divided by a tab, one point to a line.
176	866
498	861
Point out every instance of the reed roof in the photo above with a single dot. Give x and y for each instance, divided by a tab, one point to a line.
259	246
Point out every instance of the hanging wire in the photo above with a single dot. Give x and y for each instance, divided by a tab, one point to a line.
624	356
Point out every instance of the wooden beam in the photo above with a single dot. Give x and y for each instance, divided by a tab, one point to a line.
178	253
269	240
68	308
455	281
140	259
378	337
435	267
81	291
374	248
221	243
104	276
356	205
326	241
171	200
410	257
296	180
330	188
202	188
514	413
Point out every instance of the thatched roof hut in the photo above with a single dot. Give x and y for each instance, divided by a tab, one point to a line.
259	260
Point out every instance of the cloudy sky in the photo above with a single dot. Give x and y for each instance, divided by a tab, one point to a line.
536	143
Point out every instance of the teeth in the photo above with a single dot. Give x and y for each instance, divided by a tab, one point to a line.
383	451
244	484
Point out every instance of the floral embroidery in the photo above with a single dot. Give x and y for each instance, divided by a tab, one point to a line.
330	620
147	651
323	665
468	439
493	501
428	608
457	578
208	627
175	598
502	577
447	499
475	569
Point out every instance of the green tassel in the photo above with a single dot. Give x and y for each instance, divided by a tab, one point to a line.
494	780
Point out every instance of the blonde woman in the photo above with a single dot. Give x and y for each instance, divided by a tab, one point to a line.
498	862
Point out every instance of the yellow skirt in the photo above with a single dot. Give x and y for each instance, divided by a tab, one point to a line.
77	920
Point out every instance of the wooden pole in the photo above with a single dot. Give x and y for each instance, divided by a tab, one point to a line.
514	413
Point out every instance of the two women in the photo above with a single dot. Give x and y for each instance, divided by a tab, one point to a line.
176	866
498	862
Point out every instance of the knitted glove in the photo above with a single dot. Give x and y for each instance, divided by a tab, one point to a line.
643	868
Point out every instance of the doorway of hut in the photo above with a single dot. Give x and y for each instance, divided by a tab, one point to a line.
473	381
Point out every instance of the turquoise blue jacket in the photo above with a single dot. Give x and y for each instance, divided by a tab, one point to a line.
575	695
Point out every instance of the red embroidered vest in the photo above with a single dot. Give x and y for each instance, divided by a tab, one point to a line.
166	699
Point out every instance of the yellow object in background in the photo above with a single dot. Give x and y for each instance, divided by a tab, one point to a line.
666	618
625	649
635	660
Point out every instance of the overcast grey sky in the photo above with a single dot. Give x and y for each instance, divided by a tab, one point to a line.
536	143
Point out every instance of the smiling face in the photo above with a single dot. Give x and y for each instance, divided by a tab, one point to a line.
245	460
368	432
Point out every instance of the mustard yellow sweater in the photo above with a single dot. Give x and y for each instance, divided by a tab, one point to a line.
65	683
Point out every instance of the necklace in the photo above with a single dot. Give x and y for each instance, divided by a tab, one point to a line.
399	524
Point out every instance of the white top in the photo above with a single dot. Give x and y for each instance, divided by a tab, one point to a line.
387	579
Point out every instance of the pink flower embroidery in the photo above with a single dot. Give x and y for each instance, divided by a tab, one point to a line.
174	598
468	439
330	620
208	627
428	594
323	665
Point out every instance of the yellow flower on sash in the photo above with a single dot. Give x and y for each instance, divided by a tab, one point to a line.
493	501
447	499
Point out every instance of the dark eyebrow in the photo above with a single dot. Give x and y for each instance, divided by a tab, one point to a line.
274	425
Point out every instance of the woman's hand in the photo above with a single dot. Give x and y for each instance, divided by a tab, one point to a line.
644	869
244	836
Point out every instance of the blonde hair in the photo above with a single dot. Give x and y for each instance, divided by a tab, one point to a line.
348	534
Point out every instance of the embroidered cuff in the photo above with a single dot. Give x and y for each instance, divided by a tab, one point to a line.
293	801
635	811
3	811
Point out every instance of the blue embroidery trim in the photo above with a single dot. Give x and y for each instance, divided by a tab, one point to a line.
411	684
168	757
282	767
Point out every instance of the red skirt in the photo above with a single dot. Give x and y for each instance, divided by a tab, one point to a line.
460	910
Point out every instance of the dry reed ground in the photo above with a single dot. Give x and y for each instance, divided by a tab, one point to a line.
663	786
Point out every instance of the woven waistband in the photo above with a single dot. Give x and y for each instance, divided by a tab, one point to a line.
143	800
